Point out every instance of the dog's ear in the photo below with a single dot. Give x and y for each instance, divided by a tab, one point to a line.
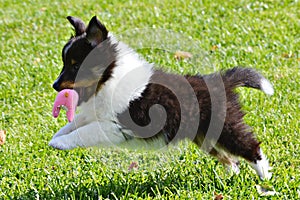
78	24
96	32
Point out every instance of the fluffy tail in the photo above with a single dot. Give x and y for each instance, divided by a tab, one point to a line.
247	77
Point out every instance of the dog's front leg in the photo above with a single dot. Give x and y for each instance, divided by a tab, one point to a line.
93	134
79	121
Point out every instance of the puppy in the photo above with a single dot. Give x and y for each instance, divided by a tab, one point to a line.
124	101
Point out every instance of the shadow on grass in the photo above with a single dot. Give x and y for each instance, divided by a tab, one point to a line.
135	184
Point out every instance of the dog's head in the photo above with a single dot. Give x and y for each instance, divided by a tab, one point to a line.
88	59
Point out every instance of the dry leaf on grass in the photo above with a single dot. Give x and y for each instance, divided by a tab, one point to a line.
133	165
214	48
180	55
218	196
2	136
288	55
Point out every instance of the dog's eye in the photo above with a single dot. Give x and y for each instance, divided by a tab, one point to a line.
76	66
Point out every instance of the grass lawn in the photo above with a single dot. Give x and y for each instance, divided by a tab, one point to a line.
262	35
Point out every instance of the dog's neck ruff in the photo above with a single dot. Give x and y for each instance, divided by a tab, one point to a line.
129	79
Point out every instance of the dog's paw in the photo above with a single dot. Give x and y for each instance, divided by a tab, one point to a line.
61	143
262	167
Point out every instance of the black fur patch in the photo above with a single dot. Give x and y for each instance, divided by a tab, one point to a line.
236	137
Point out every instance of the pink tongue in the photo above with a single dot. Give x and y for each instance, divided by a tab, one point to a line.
67	98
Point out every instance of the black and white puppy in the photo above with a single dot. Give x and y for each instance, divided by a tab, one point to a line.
124	100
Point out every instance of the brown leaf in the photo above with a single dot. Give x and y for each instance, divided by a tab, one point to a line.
2	136
179	55
288	55
218	196
214	48
133	165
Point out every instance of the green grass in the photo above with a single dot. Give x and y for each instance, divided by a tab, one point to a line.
262	35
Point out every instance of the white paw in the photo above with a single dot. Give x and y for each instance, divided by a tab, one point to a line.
262	167
61	143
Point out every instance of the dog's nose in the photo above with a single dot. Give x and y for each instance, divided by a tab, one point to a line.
56	86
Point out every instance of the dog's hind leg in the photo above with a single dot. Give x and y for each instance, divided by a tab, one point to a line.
230	161
262	166
240	142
